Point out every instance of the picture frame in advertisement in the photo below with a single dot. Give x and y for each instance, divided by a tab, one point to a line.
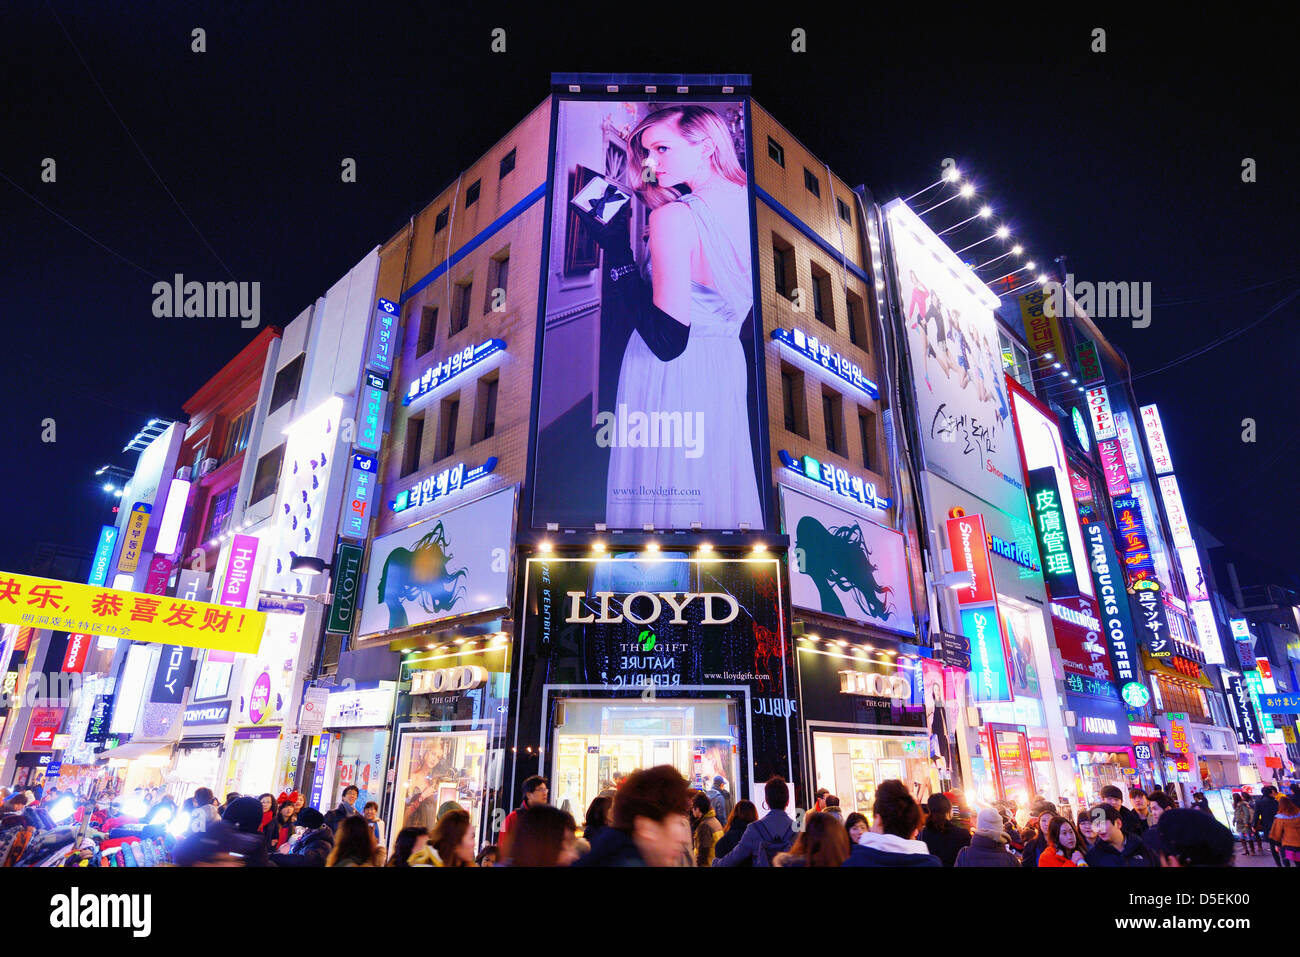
962	402
845	565
660	422
453	564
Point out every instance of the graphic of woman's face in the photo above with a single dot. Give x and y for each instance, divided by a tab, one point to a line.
674	158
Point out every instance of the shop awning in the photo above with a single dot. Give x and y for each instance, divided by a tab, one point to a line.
1159	667
136	749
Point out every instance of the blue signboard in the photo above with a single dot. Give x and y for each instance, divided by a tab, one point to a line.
322	764
379	356
371	409
435	486
836	479
103	560
448	369
363	479
988	671
821	354
1279	703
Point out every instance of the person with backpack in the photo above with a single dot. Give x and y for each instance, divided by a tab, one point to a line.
720	798
767	837
892	842
743	814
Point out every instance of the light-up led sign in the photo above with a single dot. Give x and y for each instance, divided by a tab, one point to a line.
448	369
103	555
1128	445
836	479
379	356
1013	551
169	529
361	492
1160	459
1135	694
821	354
372	408
1255	684
1048	512
1135	551
1174	511
1149	616
1080	428
1103	422
445	482
1113	467
1089	363
129	560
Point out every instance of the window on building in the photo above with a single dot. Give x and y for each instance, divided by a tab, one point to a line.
498	278
460	294
867	434
471	194
440	221
811	182
507	165
833	417
1015	360
843	209
858	333
823	308
428	330
220	511
285	389
487	404
792	401
267	478
411	447
237	435
776	152
450	421
783	266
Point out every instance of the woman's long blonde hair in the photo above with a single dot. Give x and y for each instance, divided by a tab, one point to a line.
695	123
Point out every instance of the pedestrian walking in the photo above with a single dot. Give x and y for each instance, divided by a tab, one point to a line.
231	841
1132	825
988	843
891	842
490	856
1063	847
743	814
409	840
450	845
1114	848
823	842
371	814
544	836
1186	837
1285	831
280	830
1243	819
1035	844
720	798
833	807
537	790
649	826
707	830
355	845
597	819
347	807
944	839
767	837
1265	811
311	844
1158	802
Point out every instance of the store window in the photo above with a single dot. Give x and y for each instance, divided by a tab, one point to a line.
595	739
852	766
437	767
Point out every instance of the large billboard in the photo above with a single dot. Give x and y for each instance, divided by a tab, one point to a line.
845	565
648	407
453	564
965	413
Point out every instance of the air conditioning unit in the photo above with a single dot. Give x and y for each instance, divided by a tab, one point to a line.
206	466
183	473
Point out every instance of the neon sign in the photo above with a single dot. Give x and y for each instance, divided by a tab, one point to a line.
836	479
448	369
821	354
445	482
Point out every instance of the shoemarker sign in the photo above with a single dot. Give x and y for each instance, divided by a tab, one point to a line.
34	602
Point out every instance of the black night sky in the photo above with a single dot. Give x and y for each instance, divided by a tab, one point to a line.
226	165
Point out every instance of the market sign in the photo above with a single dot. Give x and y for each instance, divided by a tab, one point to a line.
1089	363
1135	550
1155	431
371	708
1112	466
93	610
1177	737
347	579
1149	615
1099	721
1143	732
172	675
836	479
100	713
1103	422
446	370
1048	513
129	560
821	355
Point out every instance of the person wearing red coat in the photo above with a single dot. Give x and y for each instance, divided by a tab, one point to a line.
1063	847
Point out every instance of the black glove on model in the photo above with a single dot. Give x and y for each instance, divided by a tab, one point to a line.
626	297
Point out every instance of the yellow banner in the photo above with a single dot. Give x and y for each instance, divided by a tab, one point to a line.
96	610
134	537
1041	329
1288	735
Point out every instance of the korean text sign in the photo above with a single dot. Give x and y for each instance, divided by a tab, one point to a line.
94	610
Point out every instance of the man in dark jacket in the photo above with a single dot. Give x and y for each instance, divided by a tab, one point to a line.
313	848
720	798
1132	824
347	807
650	826
1043	813
234	841
770	835
537	791
1114	848
988	843
1265	811
891	842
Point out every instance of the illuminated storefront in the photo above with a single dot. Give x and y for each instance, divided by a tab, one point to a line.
638	662
1103	745
358	754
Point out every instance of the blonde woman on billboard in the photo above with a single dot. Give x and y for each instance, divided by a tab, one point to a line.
687	454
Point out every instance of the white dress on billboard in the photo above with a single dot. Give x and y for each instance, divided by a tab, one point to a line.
661	484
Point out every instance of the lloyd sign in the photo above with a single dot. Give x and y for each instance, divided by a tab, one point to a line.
675	600
881	686
441	680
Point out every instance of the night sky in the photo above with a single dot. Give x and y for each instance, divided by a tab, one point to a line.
226	165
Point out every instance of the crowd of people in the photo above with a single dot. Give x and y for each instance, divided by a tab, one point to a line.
653	817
